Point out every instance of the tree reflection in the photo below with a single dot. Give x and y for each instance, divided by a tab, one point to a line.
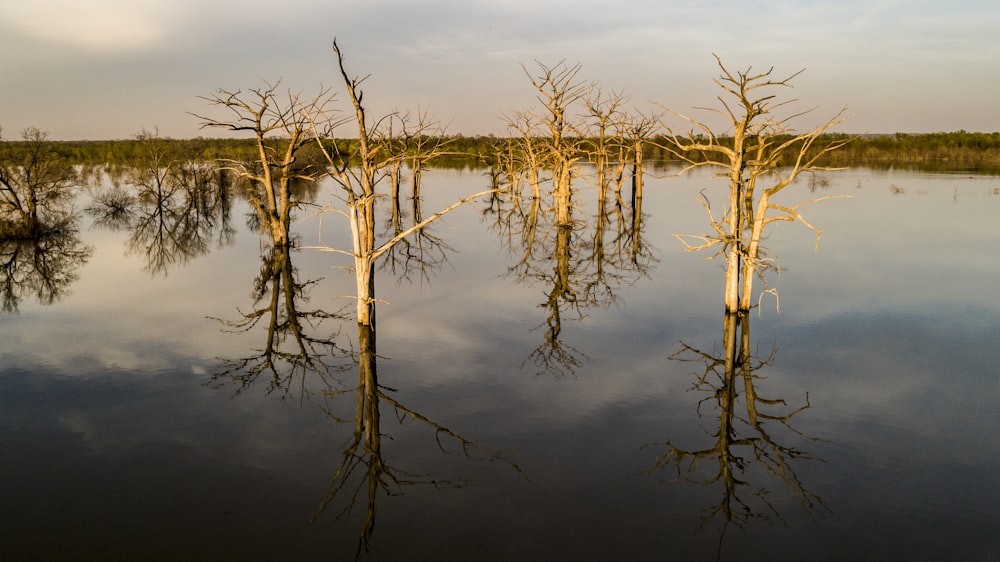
416	256
40	247
301	355
575	259
291	349
42	264
296	343
174	212
363	473
748	443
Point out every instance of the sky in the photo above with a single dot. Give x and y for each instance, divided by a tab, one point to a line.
106	69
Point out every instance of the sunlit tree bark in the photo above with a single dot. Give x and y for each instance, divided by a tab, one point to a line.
763	156
558	90
358	173
606	121
281	124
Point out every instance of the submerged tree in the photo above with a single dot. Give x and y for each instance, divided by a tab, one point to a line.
551	243
762	157
281	125
558	90
35	184
357	174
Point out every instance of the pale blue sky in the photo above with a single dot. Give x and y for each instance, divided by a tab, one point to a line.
106	68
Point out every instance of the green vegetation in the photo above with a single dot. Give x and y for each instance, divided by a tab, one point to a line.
951	151
955	151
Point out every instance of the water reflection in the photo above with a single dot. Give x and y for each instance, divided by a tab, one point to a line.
414	257
294	346
173	214
363	473
749	440
575	259
42	264
303	357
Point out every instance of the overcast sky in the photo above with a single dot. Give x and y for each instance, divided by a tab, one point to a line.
103	69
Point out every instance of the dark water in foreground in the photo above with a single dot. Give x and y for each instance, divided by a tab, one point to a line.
521	422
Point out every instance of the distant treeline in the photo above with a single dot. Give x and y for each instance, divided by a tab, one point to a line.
953	151
959	150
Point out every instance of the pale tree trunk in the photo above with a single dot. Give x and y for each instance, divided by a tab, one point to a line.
734	255
753	249
563	193
762	144
637	171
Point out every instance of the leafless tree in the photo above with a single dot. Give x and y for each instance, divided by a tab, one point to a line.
763	156
558	90
281	124
606	123
357	175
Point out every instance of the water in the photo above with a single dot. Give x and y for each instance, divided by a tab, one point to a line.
530	424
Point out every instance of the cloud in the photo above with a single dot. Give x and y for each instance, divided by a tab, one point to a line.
100	25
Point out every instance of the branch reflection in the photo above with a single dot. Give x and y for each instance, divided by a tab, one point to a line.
363	473
574	258
418	255
42	263
748	444
292	350
173	214
298	359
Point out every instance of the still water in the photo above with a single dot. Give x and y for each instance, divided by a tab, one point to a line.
528	411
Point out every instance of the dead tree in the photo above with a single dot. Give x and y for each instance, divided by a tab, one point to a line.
764	156
606	120
522	154
558	90
281	124
357	175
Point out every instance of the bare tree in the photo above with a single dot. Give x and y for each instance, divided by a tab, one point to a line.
282	127
558	89
763	156
522	153
607	120
357	174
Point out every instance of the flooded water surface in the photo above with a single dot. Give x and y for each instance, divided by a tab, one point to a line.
174	387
